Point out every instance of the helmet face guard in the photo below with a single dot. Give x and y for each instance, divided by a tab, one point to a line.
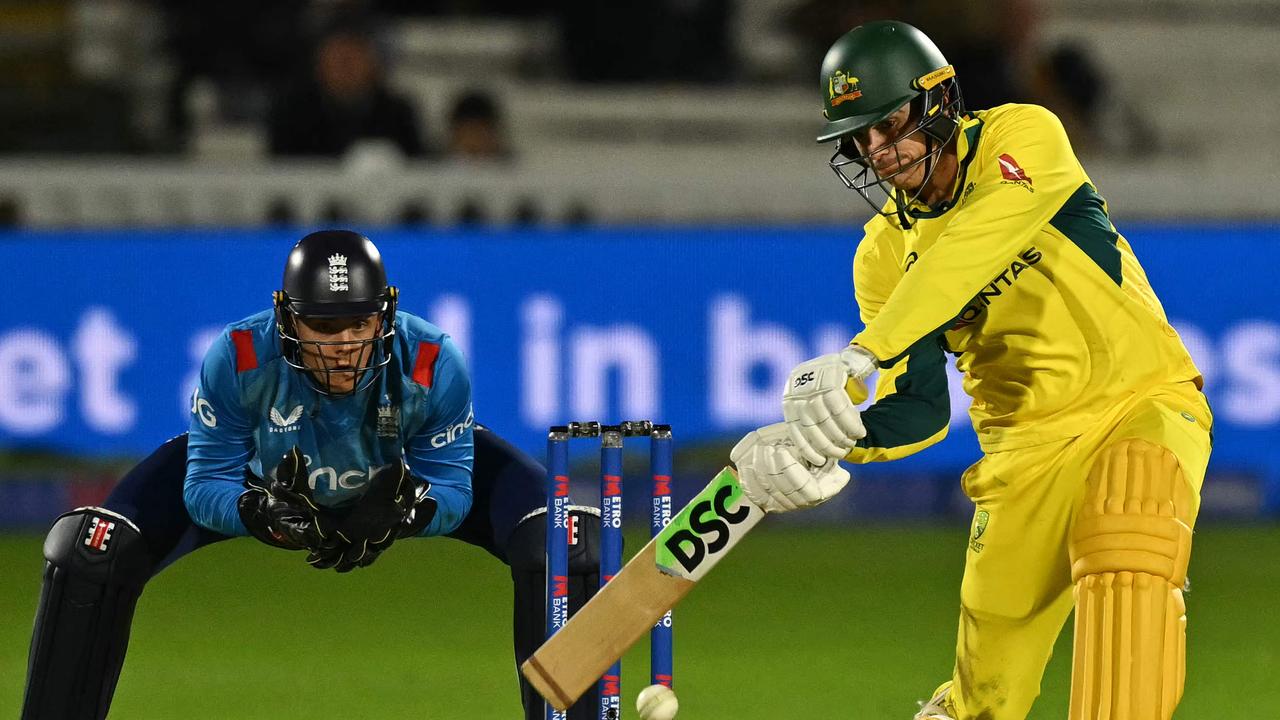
868	74
936	114
335	274
372	354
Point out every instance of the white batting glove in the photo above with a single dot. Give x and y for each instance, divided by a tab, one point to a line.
821	417
774	477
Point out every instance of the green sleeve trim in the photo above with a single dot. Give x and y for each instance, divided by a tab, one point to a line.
1083	220
919	409
862	456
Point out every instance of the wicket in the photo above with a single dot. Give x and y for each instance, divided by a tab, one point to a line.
559	531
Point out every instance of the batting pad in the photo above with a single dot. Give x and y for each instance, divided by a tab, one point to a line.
1129	552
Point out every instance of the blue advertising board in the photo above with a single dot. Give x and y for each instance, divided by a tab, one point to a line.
101	333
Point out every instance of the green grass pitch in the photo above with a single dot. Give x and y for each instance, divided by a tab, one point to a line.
796	623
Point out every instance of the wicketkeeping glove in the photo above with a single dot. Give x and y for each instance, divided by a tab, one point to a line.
282	511
393	507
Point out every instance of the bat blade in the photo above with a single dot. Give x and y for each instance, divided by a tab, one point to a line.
649	585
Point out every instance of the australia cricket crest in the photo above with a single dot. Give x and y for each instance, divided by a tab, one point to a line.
842	87
980	520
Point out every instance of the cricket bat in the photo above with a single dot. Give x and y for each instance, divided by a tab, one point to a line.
649	585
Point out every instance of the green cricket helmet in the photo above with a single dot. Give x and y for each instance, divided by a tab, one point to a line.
867	75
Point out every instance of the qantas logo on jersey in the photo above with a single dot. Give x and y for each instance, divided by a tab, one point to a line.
1011	170
996	287
1013	173
285	423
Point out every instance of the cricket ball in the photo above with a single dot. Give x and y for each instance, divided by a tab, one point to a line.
657	702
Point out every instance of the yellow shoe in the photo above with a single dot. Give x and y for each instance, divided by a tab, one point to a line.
938	708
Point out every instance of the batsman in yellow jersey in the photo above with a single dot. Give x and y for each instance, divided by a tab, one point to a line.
992	244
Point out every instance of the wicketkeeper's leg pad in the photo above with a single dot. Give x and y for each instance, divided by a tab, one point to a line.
96	566
526	551
1129	549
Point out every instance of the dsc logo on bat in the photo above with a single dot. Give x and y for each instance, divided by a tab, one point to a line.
700	525
706	529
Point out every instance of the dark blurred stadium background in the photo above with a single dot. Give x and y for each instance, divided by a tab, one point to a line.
602	201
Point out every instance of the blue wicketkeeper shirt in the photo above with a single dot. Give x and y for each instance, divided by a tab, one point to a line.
251	407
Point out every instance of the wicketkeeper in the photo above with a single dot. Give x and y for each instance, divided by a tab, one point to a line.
333	424
991	243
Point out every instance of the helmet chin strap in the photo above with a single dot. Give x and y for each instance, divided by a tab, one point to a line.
928	162
899	199
900	203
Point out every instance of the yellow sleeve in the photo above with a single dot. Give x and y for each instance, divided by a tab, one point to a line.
875	272
997	220
912	407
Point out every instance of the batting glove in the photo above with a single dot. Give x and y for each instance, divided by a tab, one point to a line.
821	418
776	479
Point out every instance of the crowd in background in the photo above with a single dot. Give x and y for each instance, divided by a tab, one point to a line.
313	74
355	83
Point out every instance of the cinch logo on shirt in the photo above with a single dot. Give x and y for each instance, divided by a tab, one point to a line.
451	433
347	480
334	480
995	288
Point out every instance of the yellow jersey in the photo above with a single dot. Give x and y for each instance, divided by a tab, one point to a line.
1022	277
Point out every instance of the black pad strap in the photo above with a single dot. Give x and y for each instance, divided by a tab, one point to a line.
527	548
